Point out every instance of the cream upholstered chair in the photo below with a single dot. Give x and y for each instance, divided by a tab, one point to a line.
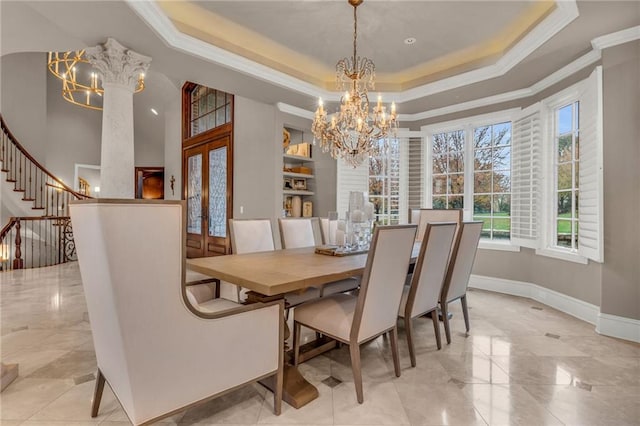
324	226
250	236
435	215
421	297
355	320
157	352
457	279
303	232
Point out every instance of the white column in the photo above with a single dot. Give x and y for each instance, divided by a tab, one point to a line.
119	69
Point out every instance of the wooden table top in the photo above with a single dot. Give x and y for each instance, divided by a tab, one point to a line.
282	271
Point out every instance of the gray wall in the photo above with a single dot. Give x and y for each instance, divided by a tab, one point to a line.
173	149
255	170
621	270
24	99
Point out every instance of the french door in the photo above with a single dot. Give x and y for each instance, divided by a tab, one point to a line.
207	191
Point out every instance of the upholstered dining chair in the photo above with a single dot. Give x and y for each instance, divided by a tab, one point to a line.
303	232
422	296
324	226
159	354
435	215
355	320
459	271
250	236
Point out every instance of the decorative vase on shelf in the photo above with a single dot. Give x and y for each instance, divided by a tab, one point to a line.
296	206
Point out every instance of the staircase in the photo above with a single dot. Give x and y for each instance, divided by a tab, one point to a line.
44	238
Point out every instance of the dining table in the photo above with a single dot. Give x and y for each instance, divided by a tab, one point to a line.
269	275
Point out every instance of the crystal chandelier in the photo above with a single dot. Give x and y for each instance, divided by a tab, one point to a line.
80	84
353	133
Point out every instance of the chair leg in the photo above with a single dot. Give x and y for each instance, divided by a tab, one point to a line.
465	311
296	342
436	328
445	320
408	328
354	350
97	394
277	394
393	334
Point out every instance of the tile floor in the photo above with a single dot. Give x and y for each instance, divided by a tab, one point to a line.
522	364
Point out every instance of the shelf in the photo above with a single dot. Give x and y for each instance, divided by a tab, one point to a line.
297	175
294	192
297	158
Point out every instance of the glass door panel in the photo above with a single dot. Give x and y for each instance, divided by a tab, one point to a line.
194	194
218	192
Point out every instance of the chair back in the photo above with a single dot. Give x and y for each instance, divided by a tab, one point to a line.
251	235
155	351
324	227
414	216
437	215
461	263
430	269
299	232
383	281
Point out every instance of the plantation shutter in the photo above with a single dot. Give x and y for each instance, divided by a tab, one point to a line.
403	202
590	202
350	179
526	178
416	175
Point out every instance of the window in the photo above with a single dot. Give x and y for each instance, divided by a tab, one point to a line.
566	175
210	108
384	184
448	170
492	179
482	187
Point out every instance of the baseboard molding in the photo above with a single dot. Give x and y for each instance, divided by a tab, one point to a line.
620	327
608	325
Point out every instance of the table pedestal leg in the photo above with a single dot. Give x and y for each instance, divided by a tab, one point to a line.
297	391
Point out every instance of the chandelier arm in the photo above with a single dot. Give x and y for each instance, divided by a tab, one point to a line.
355	35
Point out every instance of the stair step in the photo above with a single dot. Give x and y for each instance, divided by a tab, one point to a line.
28	199
37	208
11	180
18	190
4	170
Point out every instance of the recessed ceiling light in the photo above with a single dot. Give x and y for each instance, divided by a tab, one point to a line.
410	40
154	111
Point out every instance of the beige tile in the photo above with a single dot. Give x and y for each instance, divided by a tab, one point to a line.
75	405
318	411
60	423
381	406
24	397
508	405
575	406
240	407
31	360
603	346
473	368
442	404
531	370
545	346
374	367
72	364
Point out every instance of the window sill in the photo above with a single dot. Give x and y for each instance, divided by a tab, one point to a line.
562	255
493	245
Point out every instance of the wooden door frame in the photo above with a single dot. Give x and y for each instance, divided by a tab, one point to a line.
204	140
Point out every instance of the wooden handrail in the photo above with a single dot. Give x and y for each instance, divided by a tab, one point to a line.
24	152
7	227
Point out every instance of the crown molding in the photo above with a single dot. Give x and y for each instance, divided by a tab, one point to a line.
564	72
616	38
566	11
294	110
151	13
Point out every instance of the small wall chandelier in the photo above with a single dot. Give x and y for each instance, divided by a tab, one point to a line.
80	83
353	133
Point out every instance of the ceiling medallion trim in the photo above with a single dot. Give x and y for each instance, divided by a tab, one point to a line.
565	12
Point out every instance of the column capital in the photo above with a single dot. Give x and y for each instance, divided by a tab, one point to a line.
117	64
